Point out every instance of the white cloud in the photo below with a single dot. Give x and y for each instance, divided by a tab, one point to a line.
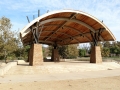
106	10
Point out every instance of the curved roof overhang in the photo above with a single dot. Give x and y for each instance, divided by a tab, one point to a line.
65	27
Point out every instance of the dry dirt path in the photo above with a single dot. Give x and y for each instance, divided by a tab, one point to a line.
58	76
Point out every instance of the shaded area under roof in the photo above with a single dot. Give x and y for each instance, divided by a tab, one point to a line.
65	27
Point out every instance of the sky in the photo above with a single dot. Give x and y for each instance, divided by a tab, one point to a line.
106	10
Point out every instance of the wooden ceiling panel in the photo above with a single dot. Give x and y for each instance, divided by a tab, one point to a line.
106	35
62	36
66	14
78	27
45	33
80	17
90	21
67	25
97	26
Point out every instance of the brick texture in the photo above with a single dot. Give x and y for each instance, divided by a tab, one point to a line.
95	56
55	55
36	55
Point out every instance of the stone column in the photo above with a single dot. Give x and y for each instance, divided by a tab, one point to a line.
95	56
55	55
36	55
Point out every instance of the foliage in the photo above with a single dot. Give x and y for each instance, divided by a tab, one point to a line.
63	51
106	44
8	40
11	47
105	51
10	44
115	50
82	52
47	51
68	51
73	51
109	48
22	52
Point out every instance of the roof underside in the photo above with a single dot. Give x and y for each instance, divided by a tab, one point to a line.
65	27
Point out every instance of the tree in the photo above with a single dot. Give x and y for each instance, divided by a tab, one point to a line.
105	51
46	51
63	51
7	38
68	51
115	50
72	51
50	50
82	52
106	44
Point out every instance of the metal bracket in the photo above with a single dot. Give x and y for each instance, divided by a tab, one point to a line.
96	36
36	34
55	46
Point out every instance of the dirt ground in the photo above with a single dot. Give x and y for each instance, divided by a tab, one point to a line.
108	83
62	76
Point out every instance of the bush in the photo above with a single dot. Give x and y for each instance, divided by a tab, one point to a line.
82	52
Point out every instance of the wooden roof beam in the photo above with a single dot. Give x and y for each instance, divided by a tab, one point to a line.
61	33
69	28
78	32
52	37
70	20
82	35
72	16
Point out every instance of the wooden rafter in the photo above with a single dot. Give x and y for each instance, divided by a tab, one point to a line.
69	28
66	25
61	33
70	20
72	16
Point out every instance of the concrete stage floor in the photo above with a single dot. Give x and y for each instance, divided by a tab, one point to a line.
69	70
61	67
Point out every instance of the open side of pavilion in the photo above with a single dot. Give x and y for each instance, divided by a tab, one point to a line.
64	27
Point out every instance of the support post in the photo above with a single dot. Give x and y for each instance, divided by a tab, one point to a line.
36	55
95	56
55	55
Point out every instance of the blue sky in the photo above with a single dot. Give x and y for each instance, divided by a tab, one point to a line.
106	10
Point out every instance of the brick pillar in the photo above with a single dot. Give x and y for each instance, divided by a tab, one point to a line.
36	55
55	55
95	56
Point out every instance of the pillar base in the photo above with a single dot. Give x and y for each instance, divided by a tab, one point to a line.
55	55
95	56
36	55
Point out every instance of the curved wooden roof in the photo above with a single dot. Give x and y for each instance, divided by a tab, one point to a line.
65	27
